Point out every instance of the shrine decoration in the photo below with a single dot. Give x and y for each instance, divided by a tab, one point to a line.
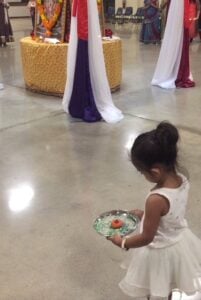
49	23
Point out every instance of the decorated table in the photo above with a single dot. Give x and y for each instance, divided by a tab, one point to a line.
45	65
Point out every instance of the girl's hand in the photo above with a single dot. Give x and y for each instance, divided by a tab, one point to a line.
116	240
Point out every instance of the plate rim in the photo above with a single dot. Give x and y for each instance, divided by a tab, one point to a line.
107	213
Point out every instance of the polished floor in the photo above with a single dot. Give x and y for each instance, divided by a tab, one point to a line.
58	174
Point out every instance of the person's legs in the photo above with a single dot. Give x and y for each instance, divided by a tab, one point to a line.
170	297
33	16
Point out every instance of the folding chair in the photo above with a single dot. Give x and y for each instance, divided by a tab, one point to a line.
119	15
138	16
128	14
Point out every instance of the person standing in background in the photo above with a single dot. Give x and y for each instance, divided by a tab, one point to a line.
87	94
199	23
32	7
173	70
151	29
6	32
194	12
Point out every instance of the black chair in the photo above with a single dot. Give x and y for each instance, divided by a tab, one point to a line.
138	16
119	15
128	14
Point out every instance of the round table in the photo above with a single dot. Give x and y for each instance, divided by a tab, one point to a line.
44	65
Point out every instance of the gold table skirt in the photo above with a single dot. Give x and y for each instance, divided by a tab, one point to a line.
44	65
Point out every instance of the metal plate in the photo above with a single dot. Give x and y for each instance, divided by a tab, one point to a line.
102	224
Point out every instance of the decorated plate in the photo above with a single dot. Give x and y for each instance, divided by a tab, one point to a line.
114	222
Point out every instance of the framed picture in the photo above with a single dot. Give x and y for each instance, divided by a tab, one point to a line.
61	28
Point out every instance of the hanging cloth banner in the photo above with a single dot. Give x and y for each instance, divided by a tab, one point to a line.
87	94
174	70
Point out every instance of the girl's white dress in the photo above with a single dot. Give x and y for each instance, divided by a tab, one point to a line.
172	260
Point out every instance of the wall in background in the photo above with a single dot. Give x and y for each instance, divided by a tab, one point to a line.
18	11
134	3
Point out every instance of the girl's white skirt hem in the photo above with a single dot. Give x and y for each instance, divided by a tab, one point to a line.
155	272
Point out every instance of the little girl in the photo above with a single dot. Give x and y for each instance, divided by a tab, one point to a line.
167	254
32	7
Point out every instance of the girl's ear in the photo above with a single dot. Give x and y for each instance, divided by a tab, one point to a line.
156	172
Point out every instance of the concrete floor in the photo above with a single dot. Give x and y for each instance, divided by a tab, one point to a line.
58	174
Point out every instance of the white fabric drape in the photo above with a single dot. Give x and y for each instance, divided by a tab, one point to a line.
99	81
170	55
71	61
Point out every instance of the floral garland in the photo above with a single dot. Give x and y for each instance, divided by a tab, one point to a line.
49	23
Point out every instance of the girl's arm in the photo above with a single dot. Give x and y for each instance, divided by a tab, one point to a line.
156	206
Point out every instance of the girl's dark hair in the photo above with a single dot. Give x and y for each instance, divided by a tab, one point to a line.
156	146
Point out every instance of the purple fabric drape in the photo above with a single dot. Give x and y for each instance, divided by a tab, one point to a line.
184	69
82	104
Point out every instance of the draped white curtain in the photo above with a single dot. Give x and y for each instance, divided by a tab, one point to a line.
99	81
71	61
170	55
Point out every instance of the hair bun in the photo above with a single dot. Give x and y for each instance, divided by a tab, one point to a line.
167	134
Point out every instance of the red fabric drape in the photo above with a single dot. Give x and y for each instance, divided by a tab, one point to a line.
186	14
184	68
193	11
74	11
80	9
